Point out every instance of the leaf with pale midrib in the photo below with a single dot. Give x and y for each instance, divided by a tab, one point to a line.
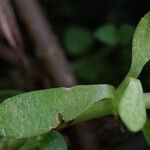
34	113
132	106
140	46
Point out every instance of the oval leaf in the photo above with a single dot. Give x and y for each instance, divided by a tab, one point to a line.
77	40
141	46
38	112
132	106
107	34
54	141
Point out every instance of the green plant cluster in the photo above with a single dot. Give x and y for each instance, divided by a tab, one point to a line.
90	50
30	117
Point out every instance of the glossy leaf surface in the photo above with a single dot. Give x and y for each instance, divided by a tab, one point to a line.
141	46
132	106
38	112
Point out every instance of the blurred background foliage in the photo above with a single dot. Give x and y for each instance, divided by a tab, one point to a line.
97	38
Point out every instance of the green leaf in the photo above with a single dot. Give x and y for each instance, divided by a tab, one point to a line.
50	141
32	143
77	40
94	63
146	131
38	112
53	141
101	108
141	46
132	106
90	63
107	34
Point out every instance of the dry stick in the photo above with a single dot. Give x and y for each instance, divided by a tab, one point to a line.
43	36
11	32
9	27
16	54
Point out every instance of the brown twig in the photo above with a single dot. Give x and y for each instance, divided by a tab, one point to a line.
43	36
12	34
9	26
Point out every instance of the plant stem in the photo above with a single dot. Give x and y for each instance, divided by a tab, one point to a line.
147	100
43	36
103	108
100	109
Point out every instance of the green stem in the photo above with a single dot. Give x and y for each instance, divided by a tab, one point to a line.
147	100
103	108
100	109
